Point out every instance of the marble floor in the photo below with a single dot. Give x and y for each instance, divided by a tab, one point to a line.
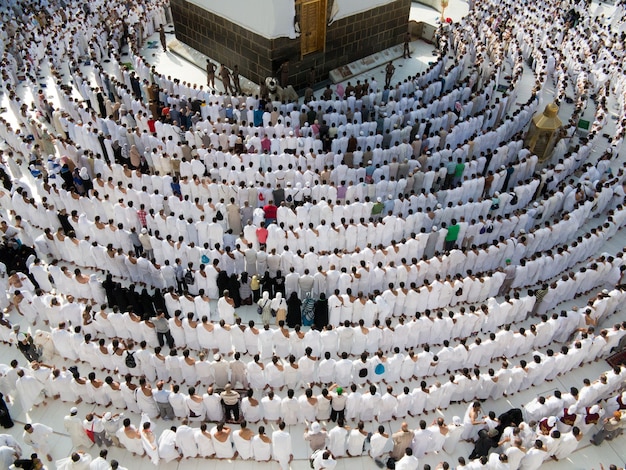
587	457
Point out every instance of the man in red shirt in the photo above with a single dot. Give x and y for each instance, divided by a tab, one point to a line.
270	213
261	234
142	214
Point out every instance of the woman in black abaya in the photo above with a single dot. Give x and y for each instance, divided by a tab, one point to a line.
294	312
320	312
5	416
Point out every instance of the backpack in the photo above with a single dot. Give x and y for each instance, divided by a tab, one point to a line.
363	372
259	309
379	369
190	280
219	216
130	360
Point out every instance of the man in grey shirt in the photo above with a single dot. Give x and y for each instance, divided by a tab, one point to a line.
316	436
161	397
162	327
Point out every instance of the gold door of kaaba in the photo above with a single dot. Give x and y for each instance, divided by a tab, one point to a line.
312	26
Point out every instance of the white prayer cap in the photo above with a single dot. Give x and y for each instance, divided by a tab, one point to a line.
290	132
496	194
594	409
73	410
456	420
605	291
251	184
369	162
308	183
535	204
502	167
144	230
434	228
379	199
107	416
389	196
439	206
522	232
571	410
217	356
551	421
623	395
361	133
315	428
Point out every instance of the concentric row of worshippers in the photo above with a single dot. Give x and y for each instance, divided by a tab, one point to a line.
558	422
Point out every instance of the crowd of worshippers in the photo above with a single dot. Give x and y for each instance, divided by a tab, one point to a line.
269	370
546	427
512	440
407	131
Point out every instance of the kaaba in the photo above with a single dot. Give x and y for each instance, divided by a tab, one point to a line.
293	36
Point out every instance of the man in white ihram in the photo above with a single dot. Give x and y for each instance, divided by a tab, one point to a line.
37	436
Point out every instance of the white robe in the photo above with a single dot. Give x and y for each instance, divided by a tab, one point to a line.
243	446
99	464
39	438
132	445
68	464
281	448
30	391
167	445
74	426
355	442
262	450
204	444
223	450
185	440
337	441
226	311
252	414
151	448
